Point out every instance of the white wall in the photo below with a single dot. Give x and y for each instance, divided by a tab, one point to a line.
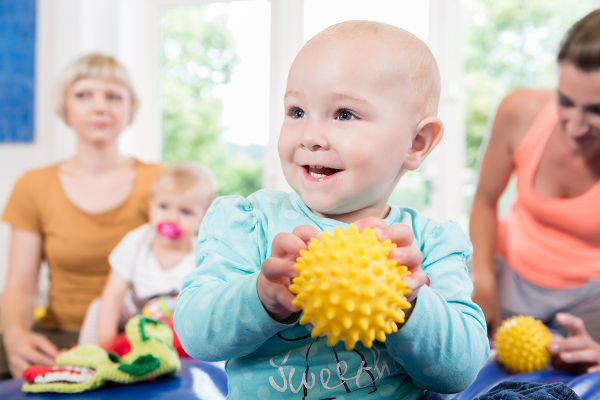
127	29
445	165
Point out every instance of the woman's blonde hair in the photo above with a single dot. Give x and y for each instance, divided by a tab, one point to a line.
92	65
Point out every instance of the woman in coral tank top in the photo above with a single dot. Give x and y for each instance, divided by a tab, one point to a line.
542	258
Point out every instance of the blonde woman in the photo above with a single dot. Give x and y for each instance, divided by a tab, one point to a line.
71	214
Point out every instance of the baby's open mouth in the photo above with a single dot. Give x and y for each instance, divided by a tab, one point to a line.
319	171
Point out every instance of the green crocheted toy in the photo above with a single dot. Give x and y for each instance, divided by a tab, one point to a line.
348	288
522	344
88	367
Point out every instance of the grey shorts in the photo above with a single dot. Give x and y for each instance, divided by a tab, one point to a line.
519	296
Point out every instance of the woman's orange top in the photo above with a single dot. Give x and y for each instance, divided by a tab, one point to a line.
76	244
551	242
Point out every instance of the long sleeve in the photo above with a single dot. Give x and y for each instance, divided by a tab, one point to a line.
444	343
219	315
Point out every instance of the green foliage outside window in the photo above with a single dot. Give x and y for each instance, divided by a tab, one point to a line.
198	56
510	44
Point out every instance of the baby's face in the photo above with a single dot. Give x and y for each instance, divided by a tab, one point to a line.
185	209
349	124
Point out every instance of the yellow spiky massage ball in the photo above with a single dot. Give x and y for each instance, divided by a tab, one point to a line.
348	288
521	344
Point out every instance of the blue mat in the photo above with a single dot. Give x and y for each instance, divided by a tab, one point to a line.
195	380
205	381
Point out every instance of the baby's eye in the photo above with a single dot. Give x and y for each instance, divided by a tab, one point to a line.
163	206
296	113
345	115
185	211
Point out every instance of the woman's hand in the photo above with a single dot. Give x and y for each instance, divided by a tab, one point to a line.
578	352
24	349
22	346
404	253
278	270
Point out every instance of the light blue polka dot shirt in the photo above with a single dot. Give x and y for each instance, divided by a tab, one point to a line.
218	314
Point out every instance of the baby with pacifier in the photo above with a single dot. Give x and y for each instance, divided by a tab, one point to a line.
152	260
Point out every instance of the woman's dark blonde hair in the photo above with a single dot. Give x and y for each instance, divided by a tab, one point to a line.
581	45
92	65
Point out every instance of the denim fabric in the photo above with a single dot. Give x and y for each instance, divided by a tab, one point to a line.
529	391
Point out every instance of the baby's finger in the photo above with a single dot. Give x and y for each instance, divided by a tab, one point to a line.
285	299
279	270
306	232
408	256
371	222
417	279
400	234
287	245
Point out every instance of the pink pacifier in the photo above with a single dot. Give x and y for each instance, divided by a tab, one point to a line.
169	230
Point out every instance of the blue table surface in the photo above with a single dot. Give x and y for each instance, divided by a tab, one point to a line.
195	380
206	381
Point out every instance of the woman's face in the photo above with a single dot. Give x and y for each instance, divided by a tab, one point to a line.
98	109
578	96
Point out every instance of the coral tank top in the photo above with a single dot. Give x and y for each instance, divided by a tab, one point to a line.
551	242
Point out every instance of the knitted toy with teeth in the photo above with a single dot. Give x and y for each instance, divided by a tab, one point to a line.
348	288
88	367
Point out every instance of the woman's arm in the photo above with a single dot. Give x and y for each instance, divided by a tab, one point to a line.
23	347
111	302
513	117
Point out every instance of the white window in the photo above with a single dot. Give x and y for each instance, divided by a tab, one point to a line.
267	35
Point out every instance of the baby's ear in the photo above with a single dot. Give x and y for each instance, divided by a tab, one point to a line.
429	133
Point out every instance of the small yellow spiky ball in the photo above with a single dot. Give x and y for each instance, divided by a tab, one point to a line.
348	288
521	344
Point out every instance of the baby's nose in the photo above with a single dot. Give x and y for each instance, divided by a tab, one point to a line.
314	137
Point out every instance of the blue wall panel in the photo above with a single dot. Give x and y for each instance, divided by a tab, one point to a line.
17	70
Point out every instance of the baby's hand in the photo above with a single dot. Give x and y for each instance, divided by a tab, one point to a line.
277	271
404	253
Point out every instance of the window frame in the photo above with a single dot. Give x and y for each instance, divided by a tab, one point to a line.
287	30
